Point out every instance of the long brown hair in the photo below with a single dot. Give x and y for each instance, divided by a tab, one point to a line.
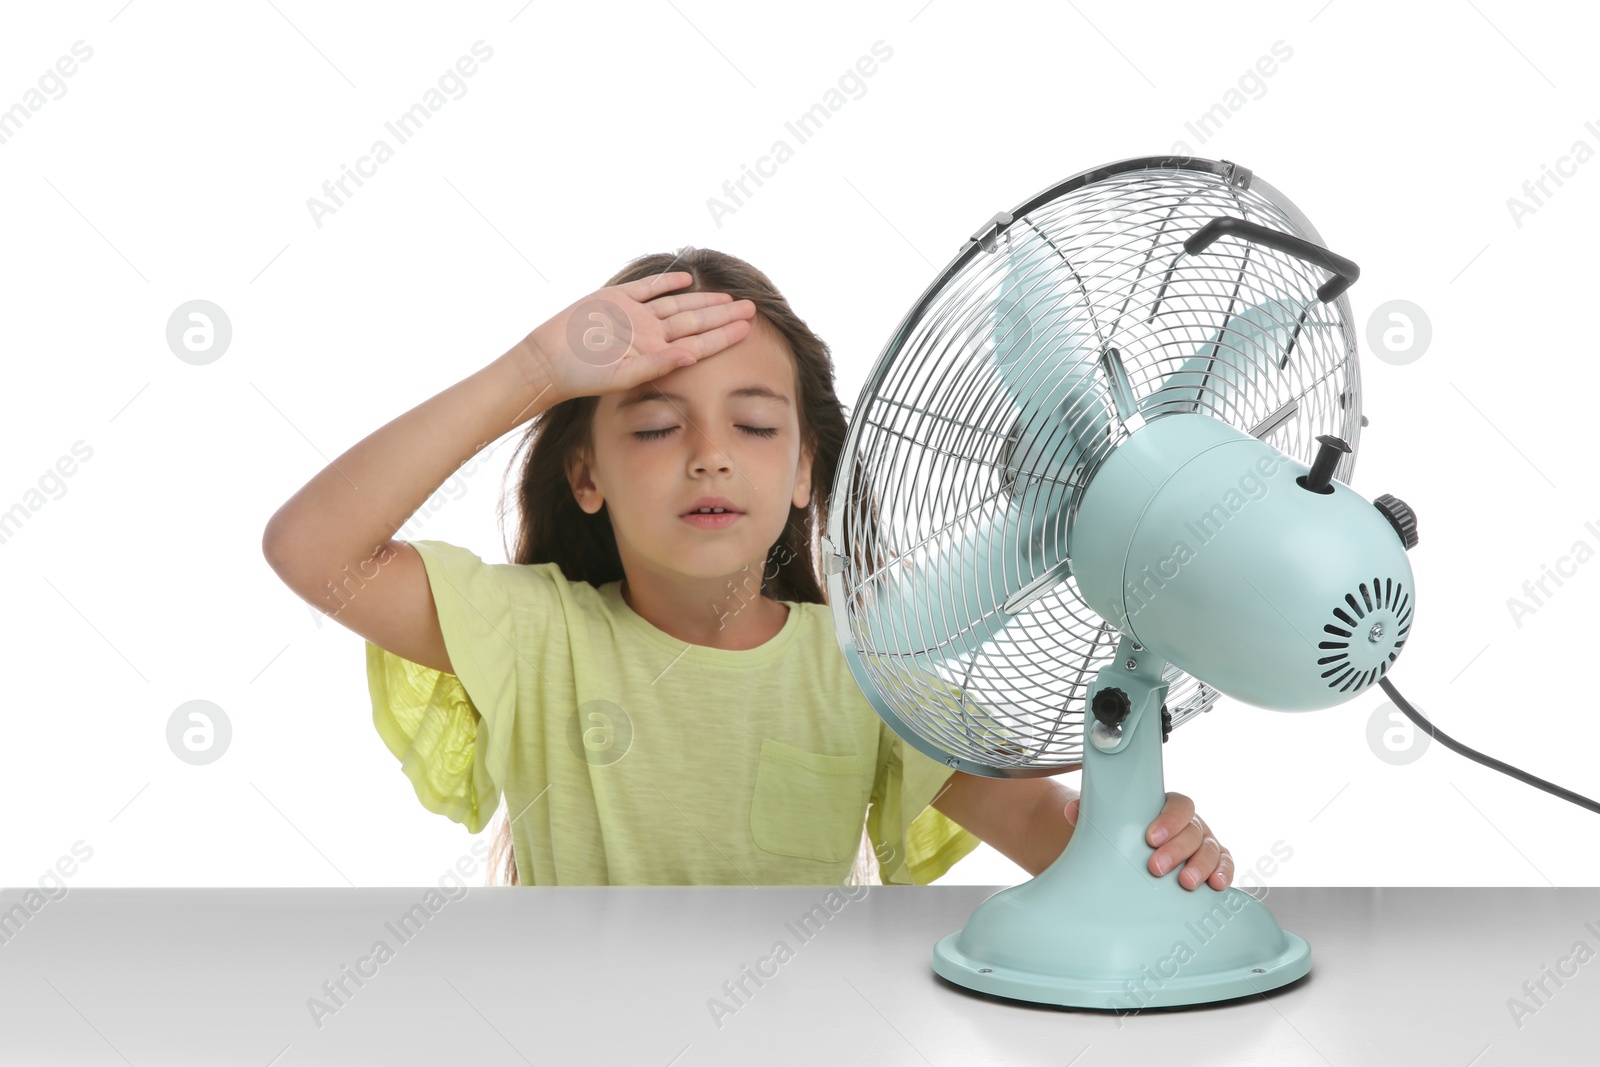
553	528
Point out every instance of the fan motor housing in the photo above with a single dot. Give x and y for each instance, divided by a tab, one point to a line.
1196	540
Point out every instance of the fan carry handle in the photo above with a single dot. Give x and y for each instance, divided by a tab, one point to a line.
1345	271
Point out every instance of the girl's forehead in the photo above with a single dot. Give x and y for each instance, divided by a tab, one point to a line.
758	368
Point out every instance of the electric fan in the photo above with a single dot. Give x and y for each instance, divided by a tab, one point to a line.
1097	477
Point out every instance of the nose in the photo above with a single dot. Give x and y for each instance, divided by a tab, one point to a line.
708	455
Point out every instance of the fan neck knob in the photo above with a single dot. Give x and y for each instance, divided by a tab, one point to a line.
1111	706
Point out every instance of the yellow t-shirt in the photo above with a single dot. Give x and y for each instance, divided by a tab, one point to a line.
628	757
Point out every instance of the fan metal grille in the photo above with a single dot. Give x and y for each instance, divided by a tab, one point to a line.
931	449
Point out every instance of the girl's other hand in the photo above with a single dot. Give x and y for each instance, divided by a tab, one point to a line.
1187	839
622	335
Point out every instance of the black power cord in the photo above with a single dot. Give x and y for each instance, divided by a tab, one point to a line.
1488	761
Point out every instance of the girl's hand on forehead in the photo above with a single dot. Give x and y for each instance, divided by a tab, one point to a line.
622	335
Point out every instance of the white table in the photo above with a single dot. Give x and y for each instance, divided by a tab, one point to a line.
576	975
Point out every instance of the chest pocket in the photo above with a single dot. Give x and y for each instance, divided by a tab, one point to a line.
807	804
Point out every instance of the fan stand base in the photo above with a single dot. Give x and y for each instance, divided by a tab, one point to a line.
1174	963
1096	929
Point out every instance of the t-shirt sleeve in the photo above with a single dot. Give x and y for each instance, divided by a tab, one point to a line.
915	843
452	732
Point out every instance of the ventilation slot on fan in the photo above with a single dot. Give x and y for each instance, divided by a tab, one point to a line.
1385	594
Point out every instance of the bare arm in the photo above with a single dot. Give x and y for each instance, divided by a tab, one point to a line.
331	542
1026	821
1021	818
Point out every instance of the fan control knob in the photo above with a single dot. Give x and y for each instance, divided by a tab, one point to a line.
1111	705
1400	516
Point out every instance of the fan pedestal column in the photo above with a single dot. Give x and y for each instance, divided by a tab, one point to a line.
1096	929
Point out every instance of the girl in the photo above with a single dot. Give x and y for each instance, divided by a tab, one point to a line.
654	685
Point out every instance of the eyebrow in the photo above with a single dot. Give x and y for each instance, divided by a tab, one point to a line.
658	394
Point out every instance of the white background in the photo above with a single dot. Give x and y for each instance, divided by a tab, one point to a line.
178	163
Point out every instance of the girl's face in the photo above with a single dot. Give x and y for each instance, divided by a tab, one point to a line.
661	446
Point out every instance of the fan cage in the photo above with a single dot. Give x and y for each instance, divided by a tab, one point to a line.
932	449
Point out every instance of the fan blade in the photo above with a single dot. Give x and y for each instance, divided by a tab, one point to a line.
1044	342
957	593
1060	410
1238	363
1044	358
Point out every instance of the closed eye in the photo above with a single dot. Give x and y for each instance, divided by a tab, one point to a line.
647	435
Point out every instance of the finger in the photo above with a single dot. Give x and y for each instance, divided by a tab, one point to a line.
1222	877
687	323
639	367
1071	810
1177	850
701	345
672	303
643	289
1175	815
1201	864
